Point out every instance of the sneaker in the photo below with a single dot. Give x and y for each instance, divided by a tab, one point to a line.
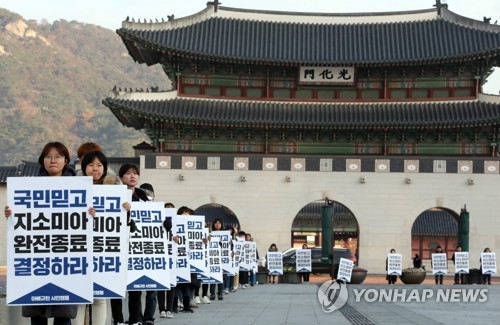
188	310
169	315
212	297
232	290
205	300
192	305
196	300
226	291
221	297
163	314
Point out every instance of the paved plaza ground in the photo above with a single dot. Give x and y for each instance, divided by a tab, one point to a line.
298	304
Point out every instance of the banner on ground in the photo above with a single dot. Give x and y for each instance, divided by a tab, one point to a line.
49	241
148	260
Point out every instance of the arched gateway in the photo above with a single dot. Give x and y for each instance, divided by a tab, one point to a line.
306	227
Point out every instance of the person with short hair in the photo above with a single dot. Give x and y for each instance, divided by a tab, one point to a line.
53	161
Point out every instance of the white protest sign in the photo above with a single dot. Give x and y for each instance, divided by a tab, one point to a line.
345	270
461	262
224	238
195	234
214	263
488	263
111	235
244	263
394	264
252	252
439	263
183	266
49	241
238	248
275	263
172	249
203	274
148	260
303	260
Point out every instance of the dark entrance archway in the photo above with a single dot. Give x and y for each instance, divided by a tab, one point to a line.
433	227
213	211
306	227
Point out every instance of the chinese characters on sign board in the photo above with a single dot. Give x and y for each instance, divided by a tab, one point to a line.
327	75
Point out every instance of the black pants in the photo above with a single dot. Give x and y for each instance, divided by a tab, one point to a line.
486	278
438	278
117	310
392	279
204	289
305	276
243	277
459	278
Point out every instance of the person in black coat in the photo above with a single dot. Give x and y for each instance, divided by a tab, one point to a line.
417	262
391	279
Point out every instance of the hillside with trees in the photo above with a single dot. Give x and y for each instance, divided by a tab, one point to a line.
53	78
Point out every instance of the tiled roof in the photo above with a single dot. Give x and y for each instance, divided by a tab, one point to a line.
435	223
136	113
218	37
6	171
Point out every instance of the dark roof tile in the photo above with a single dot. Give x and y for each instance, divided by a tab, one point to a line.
270	42
132	113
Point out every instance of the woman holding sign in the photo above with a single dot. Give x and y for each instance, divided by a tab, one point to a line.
53	161
305	275
272	248
486	277
129	175
391	279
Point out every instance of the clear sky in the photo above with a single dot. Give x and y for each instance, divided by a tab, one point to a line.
110	13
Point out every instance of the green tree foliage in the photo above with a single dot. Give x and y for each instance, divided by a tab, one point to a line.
52	85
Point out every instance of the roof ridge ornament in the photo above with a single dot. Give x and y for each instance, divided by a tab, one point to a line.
440	5
214	3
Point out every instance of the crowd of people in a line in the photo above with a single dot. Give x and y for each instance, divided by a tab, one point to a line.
459	278
54	160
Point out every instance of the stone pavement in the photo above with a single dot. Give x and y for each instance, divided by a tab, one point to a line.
298	304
